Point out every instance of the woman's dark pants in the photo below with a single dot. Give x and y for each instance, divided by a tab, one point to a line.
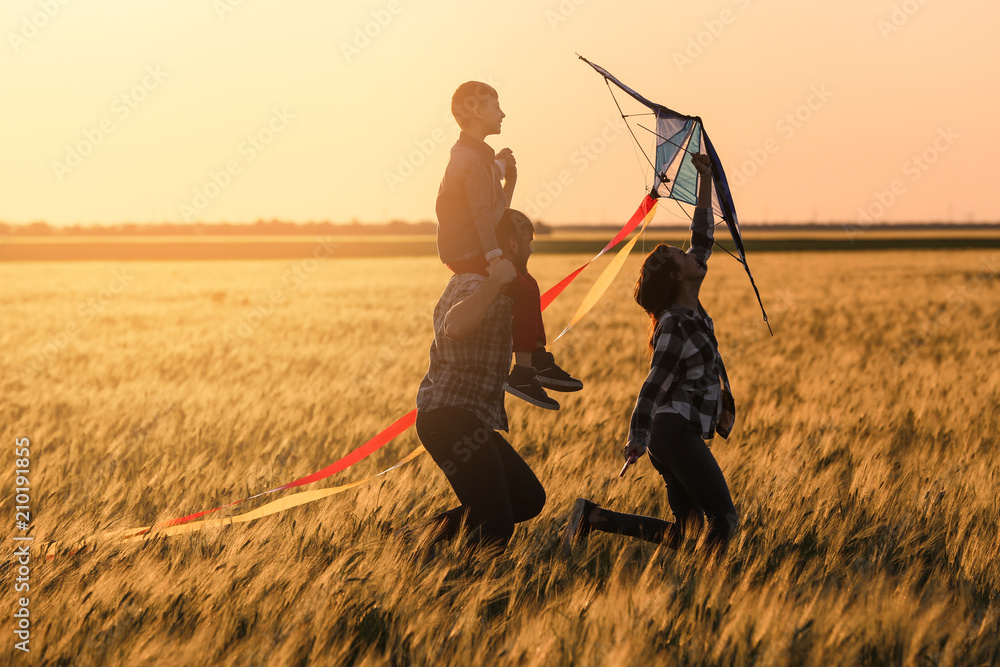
696	489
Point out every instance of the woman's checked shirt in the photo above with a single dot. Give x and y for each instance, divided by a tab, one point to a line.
686	375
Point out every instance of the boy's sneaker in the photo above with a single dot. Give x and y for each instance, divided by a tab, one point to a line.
523	383
578	526
550	375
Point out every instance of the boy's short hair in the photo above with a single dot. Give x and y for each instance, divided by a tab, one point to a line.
513	223
467	97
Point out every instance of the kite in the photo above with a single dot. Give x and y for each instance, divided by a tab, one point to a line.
678	137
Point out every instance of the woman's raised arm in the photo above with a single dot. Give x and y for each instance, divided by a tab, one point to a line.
702	225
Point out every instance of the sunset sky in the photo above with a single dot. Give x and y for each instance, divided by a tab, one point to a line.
229	110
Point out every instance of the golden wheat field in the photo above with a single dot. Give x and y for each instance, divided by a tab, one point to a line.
865	464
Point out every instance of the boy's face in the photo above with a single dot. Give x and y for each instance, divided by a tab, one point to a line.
490	114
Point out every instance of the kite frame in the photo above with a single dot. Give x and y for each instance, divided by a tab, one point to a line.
724	195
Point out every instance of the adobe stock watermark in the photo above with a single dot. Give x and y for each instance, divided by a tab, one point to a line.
463	450
786	127
590	328
956	301
713	28
752	330
899	16
223	8
22	552
562	12
33	24
248	150
424	147
86	310
407	333
135	437
121	108
264	308
579	160
914	169
365	34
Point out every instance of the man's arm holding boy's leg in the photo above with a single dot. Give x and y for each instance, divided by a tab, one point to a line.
465	316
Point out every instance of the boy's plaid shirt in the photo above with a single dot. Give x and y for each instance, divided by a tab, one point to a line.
687	375
469	374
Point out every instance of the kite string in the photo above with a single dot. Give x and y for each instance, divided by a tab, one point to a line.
724	248
638	348
622	113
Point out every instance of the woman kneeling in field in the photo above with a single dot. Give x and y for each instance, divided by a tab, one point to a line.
685	398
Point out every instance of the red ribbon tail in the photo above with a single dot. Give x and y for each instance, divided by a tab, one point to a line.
373	445
633	222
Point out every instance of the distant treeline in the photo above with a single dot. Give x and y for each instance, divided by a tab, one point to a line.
261	227
394	228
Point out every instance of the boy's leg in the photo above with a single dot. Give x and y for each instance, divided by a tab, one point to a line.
466	452
526	315
525	310
536	305
549	374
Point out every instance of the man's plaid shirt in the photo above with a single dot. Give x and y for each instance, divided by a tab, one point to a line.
469	374
686	375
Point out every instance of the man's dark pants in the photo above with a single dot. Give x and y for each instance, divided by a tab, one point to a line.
496	487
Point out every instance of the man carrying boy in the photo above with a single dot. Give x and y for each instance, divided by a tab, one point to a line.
460	402
470	203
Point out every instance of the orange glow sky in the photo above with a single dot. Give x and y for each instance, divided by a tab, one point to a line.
352	126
